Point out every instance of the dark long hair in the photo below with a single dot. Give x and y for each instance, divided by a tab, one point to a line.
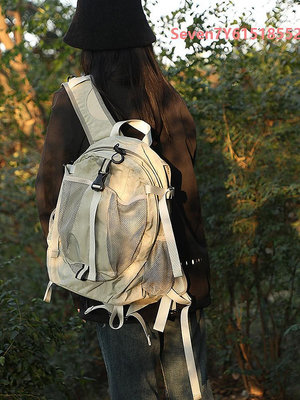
137	70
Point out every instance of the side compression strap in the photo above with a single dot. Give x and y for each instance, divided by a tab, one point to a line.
168	300
168	230
92	275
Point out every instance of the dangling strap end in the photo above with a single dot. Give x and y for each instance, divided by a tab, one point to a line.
189	354
162	314
142	322
48	292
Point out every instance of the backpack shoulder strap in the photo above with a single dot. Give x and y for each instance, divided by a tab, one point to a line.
94	116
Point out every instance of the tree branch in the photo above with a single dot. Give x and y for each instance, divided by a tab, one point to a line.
18	23
27	114
4	36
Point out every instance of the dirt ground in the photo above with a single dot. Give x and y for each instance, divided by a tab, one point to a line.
227	388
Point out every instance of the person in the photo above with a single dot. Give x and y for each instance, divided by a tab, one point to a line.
116	45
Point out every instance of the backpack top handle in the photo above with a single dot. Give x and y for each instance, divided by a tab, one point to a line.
139	124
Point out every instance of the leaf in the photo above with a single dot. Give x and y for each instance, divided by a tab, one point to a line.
293	328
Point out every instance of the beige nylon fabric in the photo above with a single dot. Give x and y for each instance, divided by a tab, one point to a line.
114	238
124	192
117	245
116	232
96	120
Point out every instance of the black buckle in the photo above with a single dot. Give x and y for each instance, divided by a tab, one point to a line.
98	183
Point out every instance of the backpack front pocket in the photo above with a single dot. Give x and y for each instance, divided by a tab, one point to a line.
72	240
126	224
82	230
98	231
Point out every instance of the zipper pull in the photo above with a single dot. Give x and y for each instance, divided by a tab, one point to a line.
120	153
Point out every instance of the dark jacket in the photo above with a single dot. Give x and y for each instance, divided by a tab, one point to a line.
65	141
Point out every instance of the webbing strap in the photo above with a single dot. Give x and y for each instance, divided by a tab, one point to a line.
159	325
106	307
142	322
93	210
92	250
117	312
168	302
189	355
162	313
170	239
48	292
185	332
179	298
167	226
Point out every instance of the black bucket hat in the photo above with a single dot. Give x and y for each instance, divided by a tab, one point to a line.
109	24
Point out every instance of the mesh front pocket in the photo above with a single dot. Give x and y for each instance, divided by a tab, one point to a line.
126	226
71	196
158	276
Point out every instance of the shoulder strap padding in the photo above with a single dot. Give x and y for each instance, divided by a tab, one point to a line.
95	118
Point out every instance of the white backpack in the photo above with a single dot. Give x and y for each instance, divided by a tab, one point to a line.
110	236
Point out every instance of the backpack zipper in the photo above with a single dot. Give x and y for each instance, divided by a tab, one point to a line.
150	166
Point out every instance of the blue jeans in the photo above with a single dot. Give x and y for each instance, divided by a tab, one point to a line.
137	371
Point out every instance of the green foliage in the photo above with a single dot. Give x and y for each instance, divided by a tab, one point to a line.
24	340
45	352
50	59
247	110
